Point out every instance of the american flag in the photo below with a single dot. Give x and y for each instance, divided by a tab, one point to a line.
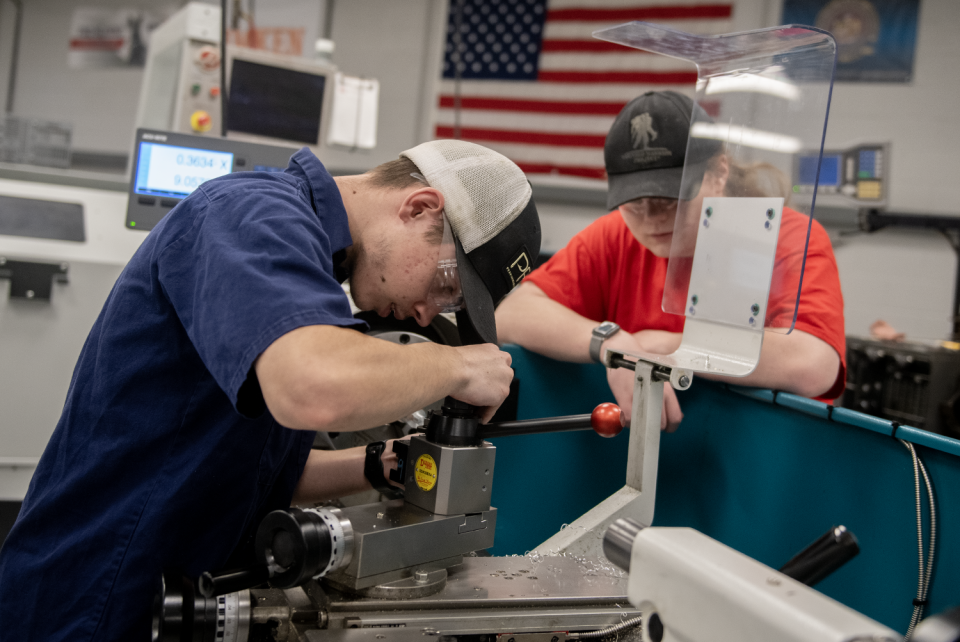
537	87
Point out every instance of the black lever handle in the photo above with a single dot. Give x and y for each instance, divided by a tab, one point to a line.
211	585
607	420
829	552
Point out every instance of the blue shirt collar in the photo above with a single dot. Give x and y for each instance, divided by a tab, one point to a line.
325	195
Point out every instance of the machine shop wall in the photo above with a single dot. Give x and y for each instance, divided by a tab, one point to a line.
399	43
101	103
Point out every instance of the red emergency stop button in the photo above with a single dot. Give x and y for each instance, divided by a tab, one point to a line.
200	121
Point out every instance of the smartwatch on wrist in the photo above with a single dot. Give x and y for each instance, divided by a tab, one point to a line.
600	334
373	470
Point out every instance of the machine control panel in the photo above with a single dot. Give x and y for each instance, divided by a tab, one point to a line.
858	175
168	166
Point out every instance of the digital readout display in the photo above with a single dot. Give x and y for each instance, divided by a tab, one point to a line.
166	170
829	170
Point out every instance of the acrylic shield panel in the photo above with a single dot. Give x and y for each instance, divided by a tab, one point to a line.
740	238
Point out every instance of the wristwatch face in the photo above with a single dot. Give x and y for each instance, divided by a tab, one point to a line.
606	329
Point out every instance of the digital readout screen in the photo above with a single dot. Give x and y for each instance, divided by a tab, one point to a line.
829	170
165	170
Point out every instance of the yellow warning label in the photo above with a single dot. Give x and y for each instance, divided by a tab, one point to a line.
425	472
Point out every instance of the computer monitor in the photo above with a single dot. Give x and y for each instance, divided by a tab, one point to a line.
274	98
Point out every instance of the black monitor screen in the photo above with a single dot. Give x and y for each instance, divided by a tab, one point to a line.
275	102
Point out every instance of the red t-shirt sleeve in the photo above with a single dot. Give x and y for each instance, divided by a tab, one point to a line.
578	275
820	310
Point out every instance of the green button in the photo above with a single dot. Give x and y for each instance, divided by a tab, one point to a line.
195	89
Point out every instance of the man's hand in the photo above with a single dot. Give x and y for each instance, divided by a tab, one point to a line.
487	375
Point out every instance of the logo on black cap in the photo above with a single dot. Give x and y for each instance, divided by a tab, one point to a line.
519	267
642	133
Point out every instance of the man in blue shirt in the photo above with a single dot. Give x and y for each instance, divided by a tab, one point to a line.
227	341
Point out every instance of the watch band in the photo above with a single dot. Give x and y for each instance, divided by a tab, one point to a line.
600	334
373	469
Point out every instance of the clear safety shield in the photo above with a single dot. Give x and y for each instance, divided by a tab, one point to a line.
740	237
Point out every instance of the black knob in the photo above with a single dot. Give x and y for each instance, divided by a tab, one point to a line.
457	424
296	545
829	552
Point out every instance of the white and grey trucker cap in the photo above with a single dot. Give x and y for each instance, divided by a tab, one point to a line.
489	204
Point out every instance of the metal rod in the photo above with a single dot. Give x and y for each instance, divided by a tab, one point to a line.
14	54
223	69
536	426
328	20
873	220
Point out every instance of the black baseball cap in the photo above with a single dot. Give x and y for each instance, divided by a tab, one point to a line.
489	204
646	148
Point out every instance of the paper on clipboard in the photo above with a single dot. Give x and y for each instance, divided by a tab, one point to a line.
353	122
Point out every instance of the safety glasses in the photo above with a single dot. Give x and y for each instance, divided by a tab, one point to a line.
445	291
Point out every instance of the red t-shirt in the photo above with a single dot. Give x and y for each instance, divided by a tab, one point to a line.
605	274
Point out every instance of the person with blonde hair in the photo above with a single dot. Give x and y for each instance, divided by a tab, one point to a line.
604	289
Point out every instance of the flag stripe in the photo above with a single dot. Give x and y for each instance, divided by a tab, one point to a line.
528	137
532	122
642	13
564	170
538	106
571	156
592	46
585	30
625	60
607	92
646	77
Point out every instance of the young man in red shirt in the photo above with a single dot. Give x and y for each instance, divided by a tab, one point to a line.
615	269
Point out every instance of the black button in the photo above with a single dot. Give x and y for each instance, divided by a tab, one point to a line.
240	162
168	202
147	200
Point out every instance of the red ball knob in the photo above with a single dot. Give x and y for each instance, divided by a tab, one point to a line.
608	420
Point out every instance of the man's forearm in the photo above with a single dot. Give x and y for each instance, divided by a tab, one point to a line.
333	379
529	318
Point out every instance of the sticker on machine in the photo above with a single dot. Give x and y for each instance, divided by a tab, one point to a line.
425	472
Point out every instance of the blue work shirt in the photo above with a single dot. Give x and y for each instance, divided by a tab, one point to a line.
165	456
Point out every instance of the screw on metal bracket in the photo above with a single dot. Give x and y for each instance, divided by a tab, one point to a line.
684	381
